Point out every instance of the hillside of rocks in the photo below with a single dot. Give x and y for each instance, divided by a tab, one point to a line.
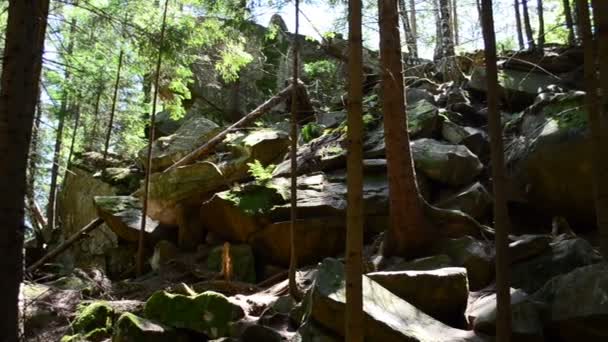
217	233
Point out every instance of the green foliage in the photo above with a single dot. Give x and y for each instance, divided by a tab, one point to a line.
311	131
260	173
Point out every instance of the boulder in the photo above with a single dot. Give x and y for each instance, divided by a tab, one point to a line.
331	119
441	293
577	304
475	139
423	119
209	312
131	328
550	161
123	215
422	264
311	332
445	163
527	246
193	183
387	317
167	150
415	95
164	251
95	319
526	323
563	257
473	200
476	256
241	257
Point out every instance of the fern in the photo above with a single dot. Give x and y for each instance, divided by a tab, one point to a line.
260	173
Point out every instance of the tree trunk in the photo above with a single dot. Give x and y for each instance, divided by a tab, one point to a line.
578	30
528	26
414	26
409	233
23	46
455	22
520	33
599	117
501	214
144	214
50	212
38	221
74	135
409	37
354	221
438	49
293	152
92	137
569	22
541	24
114	100
447	42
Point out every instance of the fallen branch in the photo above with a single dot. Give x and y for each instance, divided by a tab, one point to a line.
209	147
66	244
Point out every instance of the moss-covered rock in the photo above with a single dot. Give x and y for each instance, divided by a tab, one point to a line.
97	315
423	119
210	312
243	262
131	328
123	215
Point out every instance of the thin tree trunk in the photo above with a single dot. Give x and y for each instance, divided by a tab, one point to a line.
447	41
527	25
50	213
22	62
409	233
74	135
414	26
501	214
354	225
114	100
142	227
520	33
599	123
93	136
455	22
38	222
541	24
409	37
293	263
438	53
569	22
578	30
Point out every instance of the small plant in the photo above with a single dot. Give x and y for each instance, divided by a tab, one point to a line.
310	131
260	173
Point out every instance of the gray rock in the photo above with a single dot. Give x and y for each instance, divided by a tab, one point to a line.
476	256
414	95
528	246
422	264
445	163
475	139
423	119
123	215
131	328
473	200
243	262
331	119
387	317
441	293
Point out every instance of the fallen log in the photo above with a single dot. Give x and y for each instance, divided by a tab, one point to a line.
66	244
210	145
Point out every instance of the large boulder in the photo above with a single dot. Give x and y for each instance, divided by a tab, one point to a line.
473	200
423	119
550	161
476	256
563	257
210	312
131	328
168	149
445	163
475	139
577	304
387	317
441	293
193	183
241	258
123	215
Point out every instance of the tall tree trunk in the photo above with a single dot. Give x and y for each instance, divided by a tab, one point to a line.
520	33
541	24
92	137
576	17
455	22
23	49
354	224
527	25
144	214
409	233
409	37
50	212
447	42
37	222
438	48
569	22
501	214
293	153
113	111
414	26
599	117
74	135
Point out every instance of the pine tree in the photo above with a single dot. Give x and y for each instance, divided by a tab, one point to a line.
520	34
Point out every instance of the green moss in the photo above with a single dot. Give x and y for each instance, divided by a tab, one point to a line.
94	316
131	328
254	200
210	312
72	338
568	113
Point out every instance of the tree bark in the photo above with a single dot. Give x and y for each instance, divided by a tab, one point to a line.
527	25
354	213
520	33
23	49
599	117
447	41
414	24
408	234
455	22
578	30
501	214
541	24
142	228
569	22
74	135
293	153
50	212
93	135
113	111
409	37
38	220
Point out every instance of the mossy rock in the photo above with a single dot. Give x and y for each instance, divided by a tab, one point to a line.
210	312
95	316
243	262
131	328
